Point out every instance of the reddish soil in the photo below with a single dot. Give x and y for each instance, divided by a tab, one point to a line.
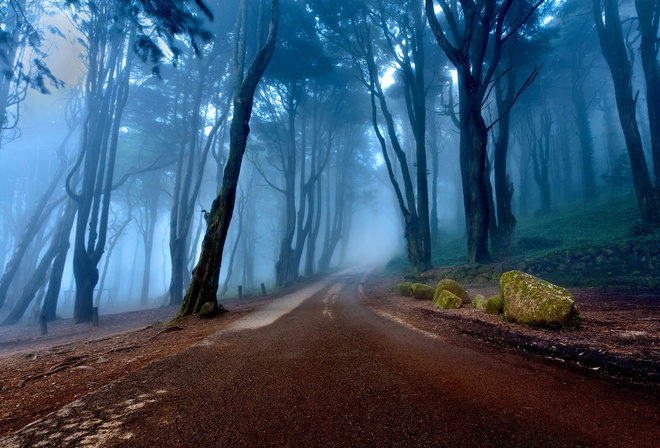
40	374
330	372
618	334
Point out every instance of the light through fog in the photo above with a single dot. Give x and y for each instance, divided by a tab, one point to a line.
353	157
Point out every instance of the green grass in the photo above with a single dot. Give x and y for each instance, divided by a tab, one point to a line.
604	223
601	224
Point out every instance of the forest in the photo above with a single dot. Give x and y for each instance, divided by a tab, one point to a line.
158	153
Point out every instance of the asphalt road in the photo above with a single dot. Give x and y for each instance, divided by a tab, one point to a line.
320	369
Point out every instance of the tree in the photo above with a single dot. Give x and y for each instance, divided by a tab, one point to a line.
35	223
620	59
476	33
204	285
113	32
107	85
648	15
375	35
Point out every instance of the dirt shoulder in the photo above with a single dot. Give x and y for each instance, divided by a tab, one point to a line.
619	334
40	374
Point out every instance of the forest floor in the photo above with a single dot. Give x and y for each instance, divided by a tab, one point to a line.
618	333
619	336
40	374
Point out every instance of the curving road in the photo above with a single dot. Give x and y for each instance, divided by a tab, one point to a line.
319	369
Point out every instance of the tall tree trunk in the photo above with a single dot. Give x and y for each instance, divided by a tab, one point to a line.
335	227
503	221
586	142
313	235
232	257
35	282
152	218
477	32
204	285
107	97
284	266
39	276
474	139
57	270
648	15
614	49
564	145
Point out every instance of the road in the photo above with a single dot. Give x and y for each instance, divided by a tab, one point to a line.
318	368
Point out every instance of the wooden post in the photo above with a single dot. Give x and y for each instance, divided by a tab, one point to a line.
263	289
95	316
240	292
43	325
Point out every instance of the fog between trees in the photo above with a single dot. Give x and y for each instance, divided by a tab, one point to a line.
375	129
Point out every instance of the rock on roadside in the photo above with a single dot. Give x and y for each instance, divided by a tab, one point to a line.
422	292
446	300
494	305
453	287
210	310
530	300
404	289
479	301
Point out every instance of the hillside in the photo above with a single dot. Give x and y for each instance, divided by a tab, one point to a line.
605	244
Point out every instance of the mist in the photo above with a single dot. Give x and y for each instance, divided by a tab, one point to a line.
364	148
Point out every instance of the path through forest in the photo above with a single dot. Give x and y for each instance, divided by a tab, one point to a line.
320	369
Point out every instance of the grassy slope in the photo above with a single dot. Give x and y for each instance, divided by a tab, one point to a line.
604	223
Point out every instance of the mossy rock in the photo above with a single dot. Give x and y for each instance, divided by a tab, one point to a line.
404	289
446	300
494	305
479	301
530	300
210	310
453	287
422	292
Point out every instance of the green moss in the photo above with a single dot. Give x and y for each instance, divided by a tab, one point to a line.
479	301
530	300
446	300
422	292
404	289
453	287
494	305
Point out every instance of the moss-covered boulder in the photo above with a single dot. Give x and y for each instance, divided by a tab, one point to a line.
404	289
210	310
479	301
453	287
422	292
494	305
446	300
530	300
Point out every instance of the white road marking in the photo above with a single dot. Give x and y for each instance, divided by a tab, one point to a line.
331	298
399	321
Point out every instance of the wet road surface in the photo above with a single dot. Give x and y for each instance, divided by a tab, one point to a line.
317	368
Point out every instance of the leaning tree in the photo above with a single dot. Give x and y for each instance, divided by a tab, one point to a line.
204	284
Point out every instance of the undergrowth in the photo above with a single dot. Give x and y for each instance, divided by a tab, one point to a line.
602	224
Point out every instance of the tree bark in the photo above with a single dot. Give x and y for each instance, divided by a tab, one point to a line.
204	285
648	14
504	222
35	223
586	142
57	269
614	49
